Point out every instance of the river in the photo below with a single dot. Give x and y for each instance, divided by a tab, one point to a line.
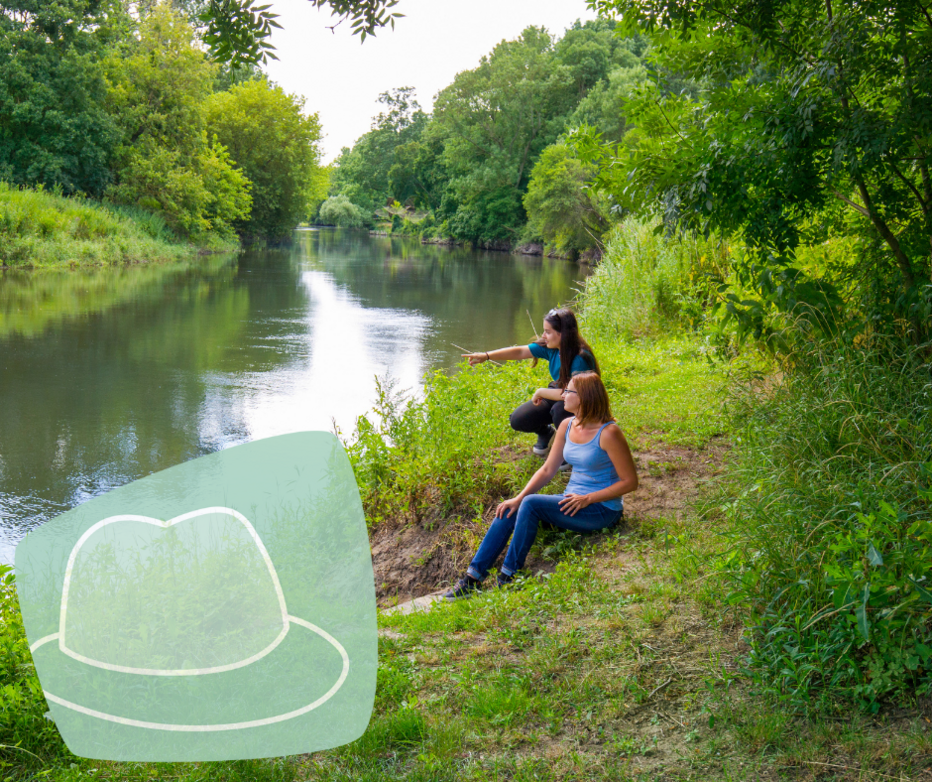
107	375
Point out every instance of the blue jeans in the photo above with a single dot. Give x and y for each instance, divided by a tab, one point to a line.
522	529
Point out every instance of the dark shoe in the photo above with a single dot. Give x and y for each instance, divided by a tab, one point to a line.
503	580
565	466
463	588
542	446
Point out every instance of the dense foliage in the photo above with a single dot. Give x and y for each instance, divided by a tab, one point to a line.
469	164
54	127
119	102
801	107
801	136
274	143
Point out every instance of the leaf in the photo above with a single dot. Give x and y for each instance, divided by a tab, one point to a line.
925	593
873	556
860	613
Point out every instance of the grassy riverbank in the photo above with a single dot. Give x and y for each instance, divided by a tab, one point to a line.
41	229
635	655
624	664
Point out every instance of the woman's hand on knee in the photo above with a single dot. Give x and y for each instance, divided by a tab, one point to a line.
538	399
506	508
571	503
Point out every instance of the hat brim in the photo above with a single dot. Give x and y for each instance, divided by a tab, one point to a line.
301	674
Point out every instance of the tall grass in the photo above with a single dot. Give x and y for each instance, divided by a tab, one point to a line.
648	283
831	517
39	228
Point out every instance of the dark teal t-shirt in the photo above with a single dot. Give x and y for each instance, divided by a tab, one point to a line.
580	364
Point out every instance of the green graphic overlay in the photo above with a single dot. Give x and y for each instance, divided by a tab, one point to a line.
220	609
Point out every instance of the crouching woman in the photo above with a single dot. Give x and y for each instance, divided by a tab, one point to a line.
603	471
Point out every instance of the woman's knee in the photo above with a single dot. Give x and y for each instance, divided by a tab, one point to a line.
528	418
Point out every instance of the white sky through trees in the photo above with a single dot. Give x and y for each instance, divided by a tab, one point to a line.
341	78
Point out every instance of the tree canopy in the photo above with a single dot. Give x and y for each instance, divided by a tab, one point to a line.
470	163
276	146
803	107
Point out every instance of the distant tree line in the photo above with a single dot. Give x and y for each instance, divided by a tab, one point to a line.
119	101
489	165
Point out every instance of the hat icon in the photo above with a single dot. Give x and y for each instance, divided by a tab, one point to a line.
242	629
140	648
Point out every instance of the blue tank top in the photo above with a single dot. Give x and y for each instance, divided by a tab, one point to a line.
592	468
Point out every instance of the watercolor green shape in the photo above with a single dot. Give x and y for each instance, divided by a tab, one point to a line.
221	609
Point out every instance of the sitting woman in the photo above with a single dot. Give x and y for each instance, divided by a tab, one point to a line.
567	354
603	471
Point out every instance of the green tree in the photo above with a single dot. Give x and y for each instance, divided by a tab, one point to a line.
362	173
165	161
604	107
54	127
277	146
560	207
806	107
497	118
341	212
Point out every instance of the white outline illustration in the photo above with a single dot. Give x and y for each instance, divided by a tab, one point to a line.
286	623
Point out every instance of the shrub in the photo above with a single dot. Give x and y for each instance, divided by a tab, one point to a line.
832	523
648	282
341	212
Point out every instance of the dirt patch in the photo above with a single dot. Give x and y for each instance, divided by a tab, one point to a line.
420	557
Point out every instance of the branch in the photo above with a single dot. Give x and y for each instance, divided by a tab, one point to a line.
852	204
667	120
911	186
926	12
902	261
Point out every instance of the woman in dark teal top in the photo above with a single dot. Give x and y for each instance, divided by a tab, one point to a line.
567	354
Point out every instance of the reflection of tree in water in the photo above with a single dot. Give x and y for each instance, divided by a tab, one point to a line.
101	398
485	295
33	301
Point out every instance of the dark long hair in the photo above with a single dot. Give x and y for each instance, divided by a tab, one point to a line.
571	343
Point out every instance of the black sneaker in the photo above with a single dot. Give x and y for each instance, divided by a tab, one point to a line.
542	446
463	588
565	466
503	580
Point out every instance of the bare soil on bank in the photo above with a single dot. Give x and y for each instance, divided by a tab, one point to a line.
421	557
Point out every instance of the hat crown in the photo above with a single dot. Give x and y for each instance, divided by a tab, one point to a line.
194	594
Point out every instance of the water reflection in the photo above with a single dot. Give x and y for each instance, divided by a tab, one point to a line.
106	376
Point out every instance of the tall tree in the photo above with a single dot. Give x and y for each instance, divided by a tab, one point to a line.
362	173
165	161
277	146
805	105
54	128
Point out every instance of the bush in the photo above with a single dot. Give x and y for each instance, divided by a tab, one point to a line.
832	524
341	212
648	282
43	229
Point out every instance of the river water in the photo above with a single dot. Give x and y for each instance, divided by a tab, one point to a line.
109	375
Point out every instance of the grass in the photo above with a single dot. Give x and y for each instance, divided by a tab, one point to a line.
418	456
41	229
627	662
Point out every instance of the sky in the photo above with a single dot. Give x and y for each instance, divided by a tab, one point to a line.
341	79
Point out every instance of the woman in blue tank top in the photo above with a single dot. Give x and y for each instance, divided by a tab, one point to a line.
603	471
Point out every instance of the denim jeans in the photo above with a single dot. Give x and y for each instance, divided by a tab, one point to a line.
521	527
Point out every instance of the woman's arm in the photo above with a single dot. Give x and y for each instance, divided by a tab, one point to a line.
542	477
515	353
616	446
553	394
